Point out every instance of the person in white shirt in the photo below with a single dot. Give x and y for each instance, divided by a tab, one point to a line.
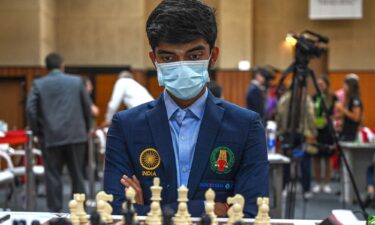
129	91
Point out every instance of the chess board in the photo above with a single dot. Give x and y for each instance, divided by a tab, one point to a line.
222	221
44	218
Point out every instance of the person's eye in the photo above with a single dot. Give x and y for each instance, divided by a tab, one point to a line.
167	58
195	56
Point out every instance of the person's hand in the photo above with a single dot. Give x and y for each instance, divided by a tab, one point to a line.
136	185
94	110
221	209
104	124
340	108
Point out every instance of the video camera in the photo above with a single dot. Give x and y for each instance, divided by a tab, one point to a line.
309	45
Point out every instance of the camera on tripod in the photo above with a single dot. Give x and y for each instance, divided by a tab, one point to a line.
309	45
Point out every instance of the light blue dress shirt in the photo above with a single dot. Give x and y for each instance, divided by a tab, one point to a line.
184	127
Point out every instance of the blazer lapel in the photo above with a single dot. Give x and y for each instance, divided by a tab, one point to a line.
159	125
206	138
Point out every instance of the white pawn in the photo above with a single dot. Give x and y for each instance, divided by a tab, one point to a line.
103	208
182	217
74	219
235	212
210	206
262	217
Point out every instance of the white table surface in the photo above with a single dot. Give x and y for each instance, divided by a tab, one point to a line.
278	158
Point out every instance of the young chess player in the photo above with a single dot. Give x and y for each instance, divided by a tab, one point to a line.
186	136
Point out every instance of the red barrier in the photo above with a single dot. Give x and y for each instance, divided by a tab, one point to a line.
14	137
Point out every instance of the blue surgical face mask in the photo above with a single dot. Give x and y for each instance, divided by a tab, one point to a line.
183	79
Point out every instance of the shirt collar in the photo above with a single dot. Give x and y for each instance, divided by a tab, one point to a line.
55	71
197	108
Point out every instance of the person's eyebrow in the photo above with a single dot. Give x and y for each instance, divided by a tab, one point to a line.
199	47
160	51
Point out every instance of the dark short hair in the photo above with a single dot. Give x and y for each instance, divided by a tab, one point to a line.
215	88
54	61
180	22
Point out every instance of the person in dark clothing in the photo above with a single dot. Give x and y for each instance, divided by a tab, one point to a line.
370	186
256	96
58	111
325	139
352	109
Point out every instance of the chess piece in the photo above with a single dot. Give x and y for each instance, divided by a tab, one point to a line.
182	217
59	221
167	216
154	216
128	212
156	193
205	220
95	219
235	212
103	207
238	223
77	211
210	206
35	222
262	217
74	219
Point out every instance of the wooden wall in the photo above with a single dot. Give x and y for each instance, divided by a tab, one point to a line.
234	83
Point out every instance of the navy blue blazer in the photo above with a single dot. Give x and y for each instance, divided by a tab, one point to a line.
230	155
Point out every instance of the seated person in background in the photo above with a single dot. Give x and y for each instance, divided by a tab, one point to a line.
129	91
187	136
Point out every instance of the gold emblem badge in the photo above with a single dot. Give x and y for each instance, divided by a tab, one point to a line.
149	159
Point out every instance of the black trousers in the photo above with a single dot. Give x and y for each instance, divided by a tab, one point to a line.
55	158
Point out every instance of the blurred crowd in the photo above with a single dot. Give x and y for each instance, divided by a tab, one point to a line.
307	135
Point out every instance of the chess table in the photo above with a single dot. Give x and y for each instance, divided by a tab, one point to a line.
45	217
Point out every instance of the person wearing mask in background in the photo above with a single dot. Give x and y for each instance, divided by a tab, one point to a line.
187	136
352	109
325	138
59	113
129	91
